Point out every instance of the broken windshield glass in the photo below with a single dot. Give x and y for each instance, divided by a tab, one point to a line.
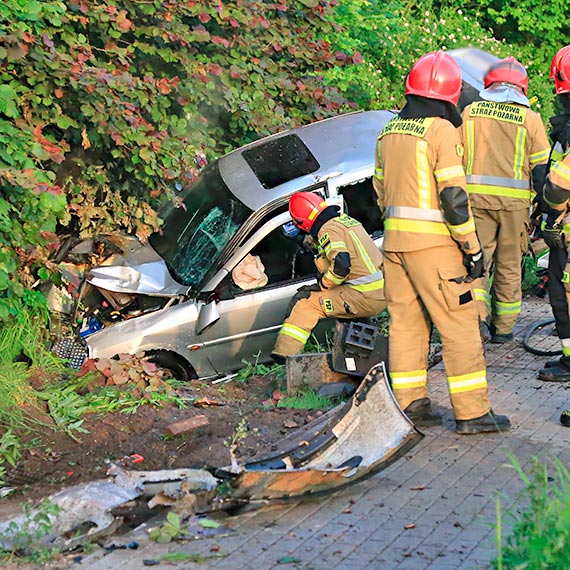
195	234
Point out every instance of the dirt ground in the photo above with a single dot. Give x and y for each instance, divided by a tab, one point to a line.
140	441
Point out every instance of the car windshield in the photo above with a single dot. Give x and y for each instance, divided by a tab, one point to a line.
195	234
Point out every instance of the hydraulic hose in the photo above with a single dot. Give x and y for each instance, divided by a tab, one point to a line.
530	331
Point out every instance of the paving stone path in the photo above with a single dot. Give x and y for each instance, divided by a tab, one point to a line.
433	509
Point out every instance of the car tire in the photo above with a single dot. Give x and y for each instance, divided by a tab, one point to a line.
173	363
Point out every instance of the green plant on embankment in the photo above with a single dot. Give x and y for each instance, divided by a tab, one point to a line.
38	391
540	539
308	399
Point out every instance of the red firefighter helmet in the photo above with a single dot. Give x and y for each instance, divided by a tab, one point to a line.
555	65
435	75
304	208
562	73
508	70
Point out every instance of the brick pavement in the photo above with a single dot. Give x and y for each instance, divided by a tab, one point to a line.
447	486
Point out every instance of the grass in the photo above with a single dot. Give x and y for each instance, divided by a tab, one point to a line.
540	539
309	399
43	378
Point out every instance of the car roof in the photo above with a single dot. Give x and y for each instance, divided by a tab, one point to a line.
474	64
340	144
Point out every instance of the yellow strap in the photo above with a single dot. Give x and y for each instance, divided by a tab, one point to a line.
416	226
374	286
423	174
489	190
519	159
449	172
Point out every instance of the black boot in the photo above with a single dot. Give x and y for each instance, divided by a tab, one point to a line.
565	418
486	423
558	373
278	358
501	338
552	363
419	412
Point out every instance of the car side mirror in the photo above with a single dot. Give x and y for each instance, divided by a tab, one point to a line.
207	317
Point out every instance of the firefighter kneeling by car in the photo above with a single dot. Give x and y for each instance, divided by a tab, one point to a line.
350	283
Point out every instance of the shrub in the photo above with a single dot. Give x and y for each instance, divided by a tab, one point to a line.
540	539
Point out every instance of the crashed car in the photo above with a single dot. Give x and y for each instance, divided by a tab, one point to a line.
212	287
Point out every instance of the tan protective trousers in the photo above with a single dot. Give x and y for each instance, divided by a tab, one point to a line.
342	302
504	237
423	287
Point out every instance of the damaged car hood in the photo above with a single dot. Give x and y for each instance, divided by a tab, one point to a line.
142	271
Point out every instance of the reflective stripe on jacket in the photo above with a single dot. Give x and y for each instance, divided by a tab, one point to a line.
415	160
345	234
503	143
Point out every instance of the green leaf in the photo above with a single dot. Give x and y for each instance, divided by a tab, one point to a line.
209	523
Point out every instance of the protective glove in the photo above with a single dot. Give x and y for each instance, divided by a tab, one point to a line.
552	234
475	264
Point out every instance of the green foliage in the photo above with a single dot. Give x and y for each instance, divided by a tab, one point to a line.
174	557
541	532
308	399
170	530
23	333
255	368
530	272
10	451
105	107
25	538
390	36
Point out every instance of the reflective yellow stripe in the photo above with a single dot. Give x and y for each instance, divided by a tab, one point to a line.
566	351
560	169
467	382
519	153
363	253
369	286
449	172
539	156
335	245
566	228
416	226
470	133
489	190
379	174
333	278
508	308
463	229
411	379
295	332
423	174
482	295
556	156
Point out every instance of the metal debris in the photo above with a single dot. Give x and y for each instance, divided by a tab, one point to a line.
363	437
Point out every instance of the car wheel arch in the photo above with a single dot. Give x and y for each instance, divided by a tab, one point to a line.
168	359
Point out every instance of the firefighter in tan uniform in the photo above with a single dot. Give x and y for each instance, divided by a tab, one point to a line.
350	284
431	250
506	147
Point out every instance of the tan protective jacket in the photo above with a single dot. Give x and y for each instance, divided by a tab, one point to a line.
415	160
503	143
345	234
555	196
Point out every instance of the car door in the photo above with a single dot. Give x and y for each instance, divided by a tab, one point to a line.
249	319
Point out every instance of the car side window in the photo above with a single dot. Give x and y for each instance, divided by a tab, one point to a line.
360	201
275	260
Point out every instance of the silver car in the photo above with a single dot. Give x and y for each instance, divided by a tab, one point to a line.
177	298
